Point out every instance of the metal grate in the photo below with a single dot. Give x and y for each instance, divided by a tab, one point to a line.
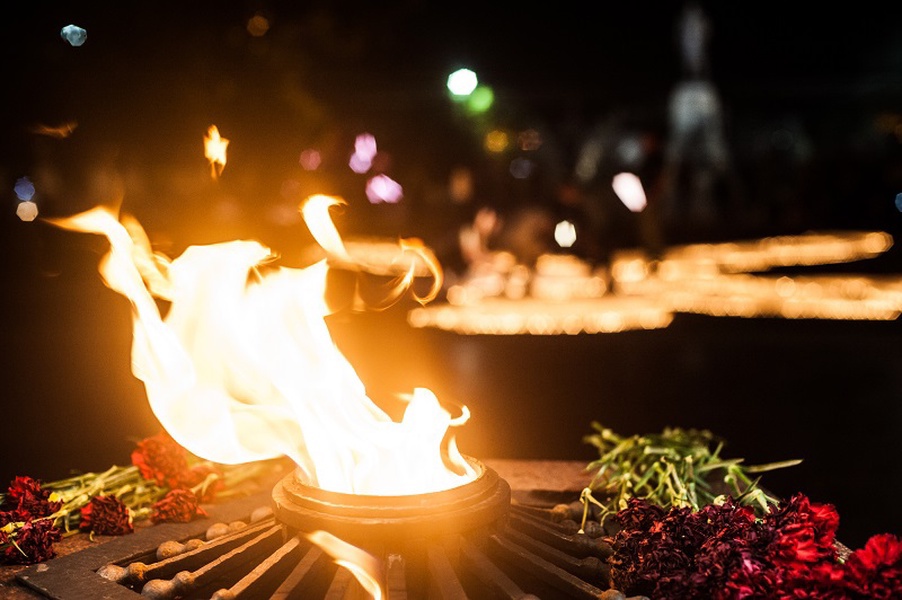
242	552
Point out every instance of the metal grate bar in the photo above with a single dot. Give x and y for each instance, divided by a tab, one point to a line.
308	574
219	571
590	568
395	577
265	578
77	576
552	518
576	544
137	573
552	575
443	581
493	577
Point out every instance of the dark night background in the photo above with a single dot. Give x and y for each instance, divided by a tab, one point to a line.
812	102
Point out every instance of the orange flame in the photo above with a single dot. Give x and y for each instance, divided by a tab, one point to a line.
215	150
363	565
413	252
243	366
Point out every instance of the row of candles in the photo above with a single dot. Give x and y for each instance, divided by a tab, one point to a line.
563	294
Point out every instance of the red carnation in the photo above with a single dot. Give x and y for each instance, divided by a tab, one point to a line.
26	498
16	515
161	459
177	506
806	532
875	571
33	543
106	515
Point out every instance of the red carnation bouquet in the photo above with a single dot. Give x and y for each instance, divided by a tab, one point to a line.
725	552
163	483
690	524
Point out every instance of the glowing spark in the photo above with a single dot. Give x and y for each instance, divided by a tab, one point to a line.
215	150
61	132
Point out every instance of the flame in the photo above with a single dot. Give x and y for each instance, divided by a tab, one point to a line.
316	214
215	150
362	565
243	367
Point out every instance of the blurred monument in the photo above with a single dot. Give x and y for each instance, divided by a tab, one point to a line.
697	160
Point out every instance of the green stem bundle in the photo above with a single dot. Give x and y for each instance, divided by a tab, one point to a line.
672	469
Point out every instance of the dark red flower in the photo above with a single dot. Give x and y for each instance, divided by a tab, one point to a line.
17	515
26	496
725	552
31	543
749	578
177	506
875	571
806	532
160	458
106	515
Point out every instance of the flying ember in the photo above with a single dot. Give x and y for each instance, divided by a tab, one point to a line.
215	150
242	366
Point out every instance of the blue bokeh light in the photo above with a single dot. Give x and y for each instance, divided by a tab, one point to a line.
74	34
24	188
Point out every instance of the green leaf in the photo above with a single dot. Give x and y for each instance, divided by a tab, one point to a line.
773	466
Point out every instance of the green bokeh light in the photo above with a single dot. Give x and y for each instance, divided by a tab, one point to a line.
481	99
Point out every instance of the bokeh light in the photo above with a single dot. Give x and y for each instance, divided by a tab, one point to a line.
258	25
383	188
310	159
24	188
462	82
27	211
364	152
565	234
75	35
521	168
629	189
460	185
496	141
480	100
529	140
